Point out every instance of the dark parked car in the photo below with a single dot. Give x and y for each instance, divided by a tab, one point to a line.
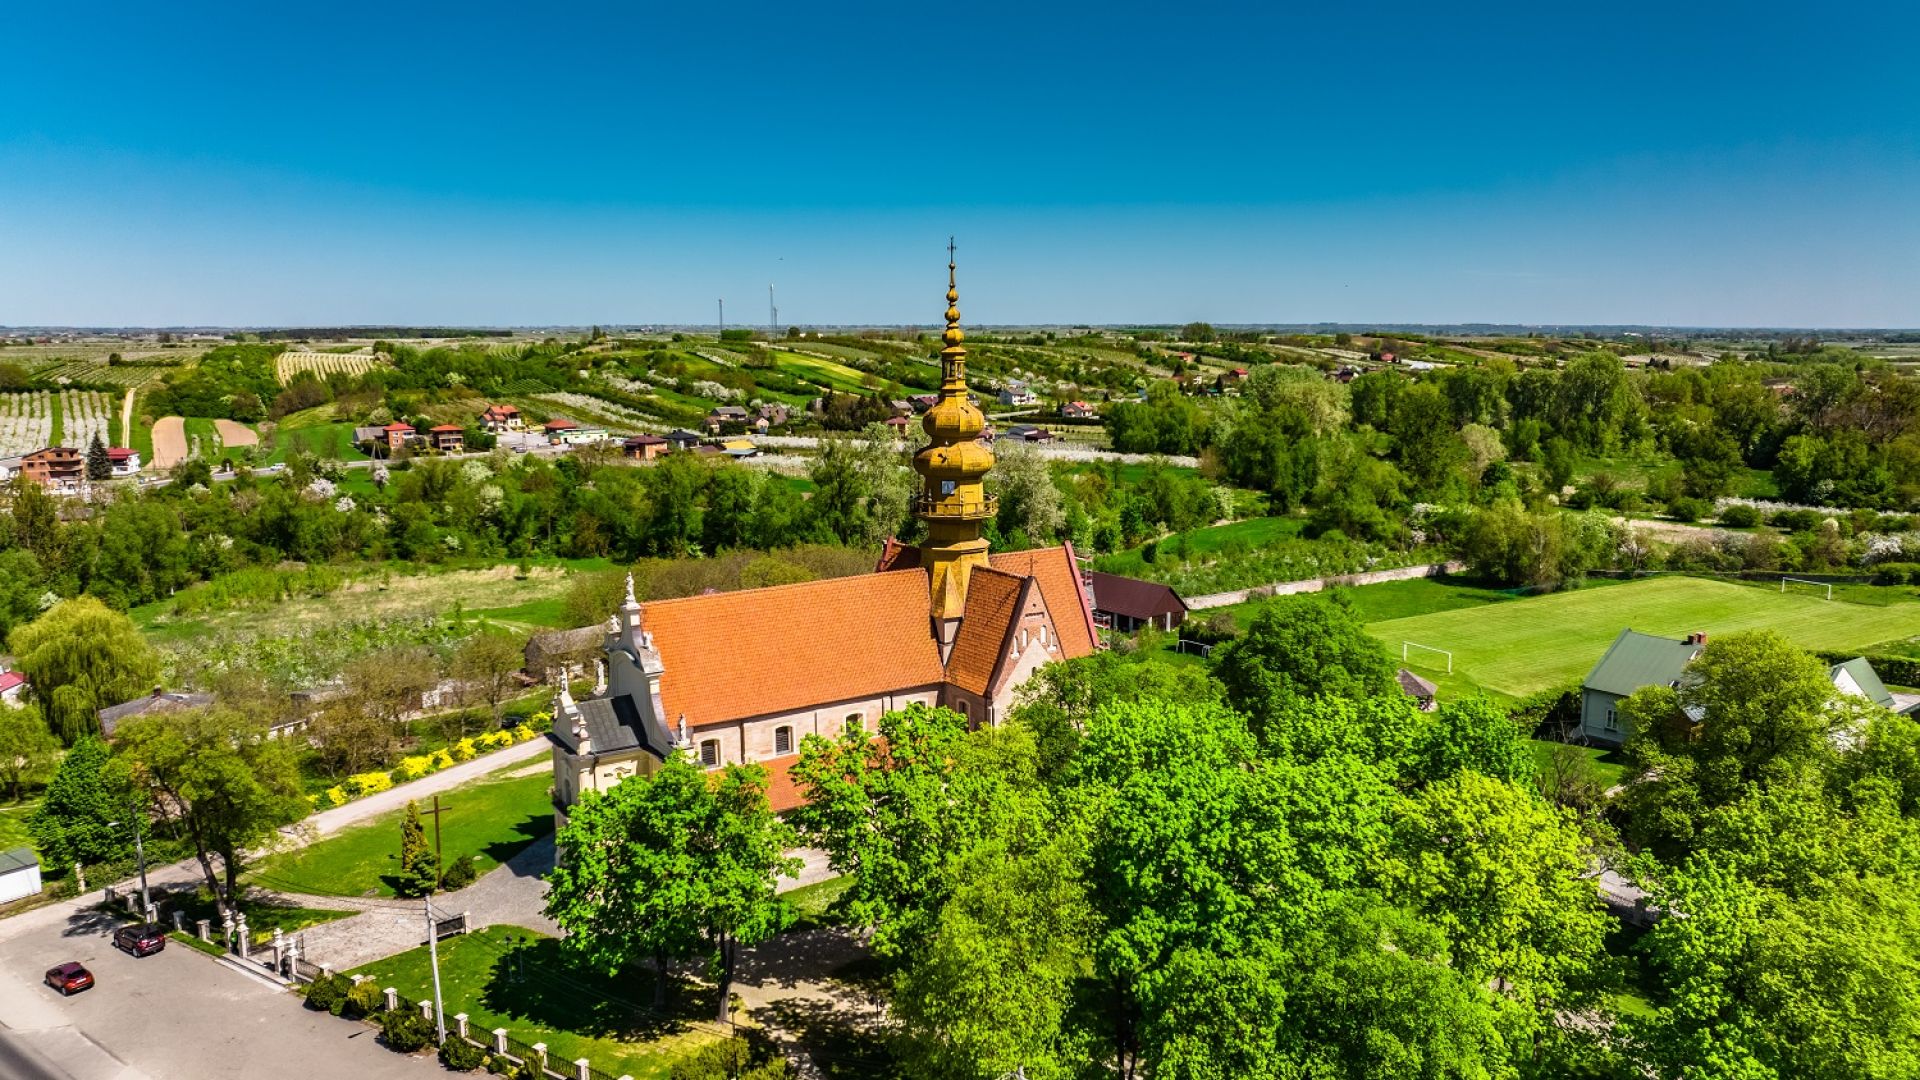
69	978
140	940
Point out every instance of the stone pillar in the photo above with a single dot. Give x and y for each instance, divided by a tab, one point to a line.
499	1040
206	929
109	895
240	942
80	875
393	999
180	921
133	904
540	1052
599	677
326	972
153	913
226	931
279	950
582	1069
460	1024
426	1011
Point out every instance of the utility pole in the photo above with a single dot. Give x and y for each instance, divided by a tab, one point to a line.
140	852
773	316
723	316
433	954
439	865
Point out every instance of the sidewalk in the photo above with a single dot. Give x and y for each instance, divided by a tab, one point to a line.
306	831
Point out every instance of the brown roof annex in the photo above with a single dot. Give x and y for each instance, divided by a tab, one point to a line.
788	647
1132	597
993	600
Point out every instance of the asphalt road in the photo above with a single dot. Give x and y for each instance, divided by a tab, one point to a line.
176	1015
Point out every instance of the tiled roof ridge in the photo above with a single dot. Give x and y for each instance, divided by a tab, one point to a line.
783	586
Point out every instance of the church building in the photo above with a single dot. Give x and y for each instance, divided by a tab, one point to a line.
744	676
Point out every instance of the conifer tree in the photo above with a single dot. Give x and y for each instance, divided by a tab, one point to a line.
418	872
99	466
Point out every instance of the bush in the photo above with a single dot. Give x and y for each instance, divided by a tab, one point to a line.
367	783
459	875
1897	573
365	999
499	1065
406	1031
1739	516
1687	509
460	1055
1797	520
328	994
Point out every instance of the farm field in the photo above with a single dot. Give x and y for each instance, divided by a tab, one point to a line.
1517	648
233	433
26	422
35	418
322	364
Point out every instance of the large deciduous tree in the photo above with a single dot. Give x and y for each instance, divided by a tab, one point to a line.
220	778
659	866
74	821
80	658
1301	647
27	749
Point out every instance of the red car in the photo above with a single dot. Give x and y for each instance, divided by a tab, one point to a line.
69	978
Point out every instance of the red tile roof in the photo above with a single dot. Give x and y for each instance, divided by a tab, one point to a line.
758	651
455	428
1054	570
559	423
397	426
11	679
993	602
119	453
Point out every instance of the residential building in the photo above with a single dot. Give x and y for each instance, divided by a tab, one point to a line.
1131	603
1078	410
19	874
1029	433
159	701
562	431
744	676
645	447
1633	661
123	461
502	418
446	438
60	469
13	687
1424	694
1856	678
398	435
11	467
682	439
1018	393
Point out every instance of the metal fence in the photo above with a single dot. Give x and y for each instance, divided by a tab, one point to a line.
446	928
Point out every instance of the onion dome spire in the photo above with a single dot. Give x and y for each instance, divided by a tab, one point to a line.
953	466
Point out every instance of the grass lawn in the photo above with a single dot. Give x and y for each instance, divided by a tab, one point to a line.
548	612
810	902
13	824
1607	766
1515	649
508	977
493	818
262	919
202	428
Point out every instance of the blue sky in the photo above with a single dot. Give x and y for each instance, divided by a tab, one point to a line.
508	164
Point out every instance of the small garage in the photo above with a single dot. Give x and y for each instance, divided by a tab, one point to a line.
19	874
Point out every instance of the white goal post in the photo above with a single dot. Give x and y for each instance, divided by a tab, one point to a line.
1803	581
1408	646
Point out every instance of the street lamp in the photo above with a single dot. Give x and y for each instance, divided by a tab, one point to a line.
140	851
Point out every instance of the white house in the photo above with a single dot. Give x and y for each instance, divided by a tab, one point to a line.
19	874
123	461
1018	393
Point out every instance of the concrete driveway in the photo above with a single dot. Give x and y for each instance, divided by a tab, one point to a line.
177	1015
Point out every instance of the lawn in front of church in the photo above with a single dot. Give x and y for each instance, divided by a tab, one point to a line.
493	819
518	979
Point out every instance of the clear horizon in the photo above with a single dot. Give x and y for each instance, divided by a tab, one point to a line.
215	165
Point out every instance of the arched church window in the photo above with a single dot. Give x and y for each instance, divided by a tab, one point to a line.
783	740
854	720
710	753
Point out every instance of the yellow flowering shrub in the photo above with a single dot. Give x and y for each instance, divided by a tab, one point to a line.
523	733
337	795
438	760
412	768
368	783
464	750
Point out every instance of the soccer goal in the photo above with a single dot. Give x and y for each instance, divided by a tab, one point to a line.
1808	586
1408	650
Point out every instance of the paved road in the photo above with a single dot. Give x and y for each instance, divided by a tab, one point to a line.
177	1015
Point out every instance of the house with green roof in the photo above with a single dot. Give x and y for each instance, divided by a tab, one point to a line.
1634	660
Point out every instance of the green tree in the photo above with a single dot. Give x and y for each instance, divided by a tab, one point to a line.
28	749
893	808
990	991
419	869
73	822
99	466
660	865
81	658
219	778
1503	876
1301	647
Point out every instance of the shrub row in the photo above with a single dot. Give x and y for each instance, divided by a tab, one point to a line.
361	785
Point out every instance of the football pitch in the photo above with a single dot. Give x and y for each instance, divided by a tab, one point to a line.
1522	646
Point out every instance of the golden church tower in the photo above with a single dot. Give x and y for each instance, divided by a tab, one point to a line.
953	467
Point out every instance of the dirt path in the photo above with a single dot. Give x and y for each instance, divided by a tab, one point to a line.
169	442
234	433
126	419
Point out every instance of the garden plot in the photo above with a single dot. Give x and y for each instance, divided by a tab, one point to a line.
291	363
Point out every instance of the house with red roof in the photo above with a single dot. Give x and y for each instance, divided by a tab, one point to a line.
13	687
446	438
502	418
122	461
398	434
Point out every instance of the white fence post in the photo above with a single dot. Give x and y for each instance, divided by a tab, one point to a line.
393	999
540	1051
206	929
460	1024
499	1040
426	1011
582	1069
